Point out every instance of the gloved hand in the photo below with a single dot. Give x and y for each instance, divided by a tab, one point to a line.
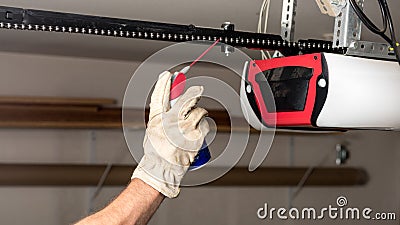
173	137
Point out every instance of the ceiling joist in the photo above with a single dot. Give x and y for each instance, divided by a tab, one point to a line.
88	113
119	175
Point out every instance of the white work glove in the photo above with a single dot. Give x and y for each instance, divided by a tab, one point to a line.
173	137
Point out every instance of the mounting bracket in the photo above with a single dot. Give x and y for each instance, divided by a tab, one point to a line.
347	26
288	20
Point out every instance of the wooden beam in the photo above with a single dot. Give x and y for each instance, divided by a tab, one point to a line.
119	175
94	117
291	176
37	116
33	116
89	113
29	100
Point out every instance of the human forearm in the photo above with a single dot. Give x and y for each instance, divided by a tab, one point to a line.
135	205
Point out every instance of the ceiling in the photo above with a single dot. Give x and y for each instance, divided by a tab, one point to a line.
310	23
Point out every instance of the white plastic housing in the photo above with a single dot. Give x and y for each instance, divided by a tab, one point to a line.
362	93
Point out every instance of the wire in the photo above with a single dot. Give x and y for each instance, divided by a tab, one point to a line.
264	13
308	173
368	23
394	43
100	184
387	22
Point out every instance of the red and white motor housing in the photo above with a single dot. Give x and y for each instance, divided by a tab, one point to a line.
321	91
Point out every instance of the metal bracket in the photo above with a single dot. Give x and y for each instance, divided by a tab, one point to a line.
331	7
347	26
288	20
227	49
370	50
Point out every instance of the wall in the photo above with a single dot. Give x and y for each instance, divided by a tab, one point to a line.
377	152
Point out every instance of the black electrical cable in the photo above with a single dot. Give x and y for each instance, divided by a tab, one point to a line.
387	22
369	24
395	45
